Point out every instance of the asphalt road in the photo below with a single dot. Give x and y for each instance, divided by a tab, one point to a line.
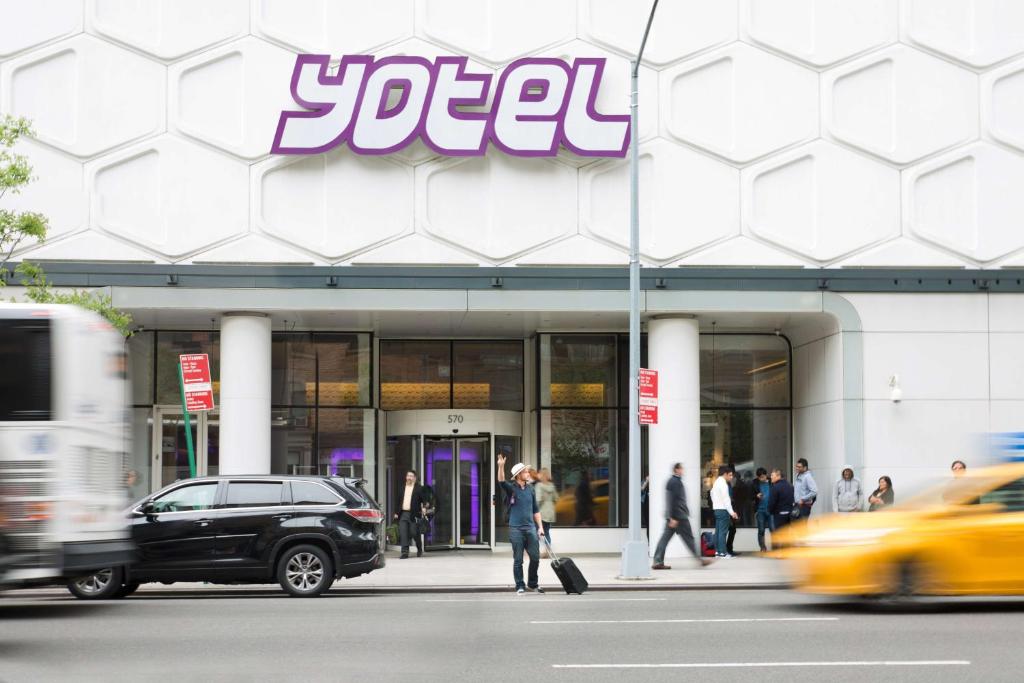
737	635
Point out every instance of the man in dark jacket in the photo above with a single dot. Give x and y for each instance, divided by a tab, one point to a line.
677	519
410	509
781	503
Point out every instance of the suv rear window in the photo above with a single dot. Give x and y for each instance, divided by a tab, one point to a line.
309	493
25	369
249	494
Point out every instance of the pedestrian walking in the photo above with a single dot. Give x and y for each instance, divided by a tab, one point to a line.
959	468
780	506
805	490
547	496
847	495
677	519
525	526
952	492
409	515
883	496
721	503
762	498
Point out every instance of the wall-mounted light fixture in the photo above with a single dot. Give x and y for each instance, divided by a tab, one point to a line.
896	395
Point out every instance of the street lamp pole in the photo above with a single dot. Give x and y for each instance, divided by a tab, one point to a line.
635	555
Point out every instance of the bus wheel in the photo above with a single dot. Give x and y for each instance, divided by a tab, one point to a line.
103	585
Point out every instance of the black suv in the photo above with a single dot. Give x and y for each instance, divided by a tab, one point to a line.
303	532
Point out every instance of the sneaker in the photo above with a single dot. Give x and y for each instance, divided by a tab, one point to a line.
660	565
720	555
520	591
535	589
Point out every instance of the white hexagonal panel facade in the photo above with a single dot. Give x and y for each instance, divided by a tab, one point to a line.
334	204
821	32
821	201
29	24
232	97
496	206
331	27
169	29
688	200
169	195
752	103
979	33
1002	104
900	104
85	96
57	175
968	201
495	31
683	27
832	133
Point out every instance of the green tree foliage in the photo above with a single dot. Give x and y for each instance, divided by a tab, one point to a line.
20	228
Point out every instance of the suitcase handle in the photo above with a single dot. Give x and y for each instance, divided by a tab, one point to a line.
551	551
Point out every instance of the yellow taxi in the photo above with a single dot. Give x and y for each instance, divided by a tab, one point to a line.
962	537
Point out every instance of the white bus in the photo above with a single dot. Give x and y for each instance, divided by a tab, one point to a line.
63	435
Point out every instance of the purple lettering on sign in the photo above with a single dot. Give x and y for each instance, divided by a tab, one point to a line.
540	104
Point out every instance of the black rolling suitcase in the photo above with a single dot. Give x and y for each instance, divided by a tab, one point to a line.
567	572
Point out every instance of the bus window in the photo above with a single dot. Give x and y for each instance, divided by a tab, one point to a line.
25	370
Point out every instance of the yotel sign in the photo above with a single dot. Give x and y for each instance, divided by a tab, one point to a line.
539	104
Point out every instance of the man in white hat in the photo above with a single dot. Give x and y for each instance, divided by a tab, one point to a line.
525	527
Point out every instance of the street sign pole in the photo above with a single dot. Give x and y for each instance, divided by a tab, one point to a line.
635	555
188	424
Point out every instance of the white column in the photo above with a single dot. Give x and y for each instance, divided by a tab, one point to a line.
673	349
245	394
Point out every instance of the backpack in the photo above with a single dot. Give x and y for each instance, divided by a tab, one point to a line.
707	544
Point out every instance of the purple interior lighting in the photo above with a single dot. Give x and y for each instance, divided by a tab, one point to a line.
339	455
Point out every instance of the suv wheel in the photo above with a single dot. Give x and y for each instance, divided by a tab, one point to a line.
305	571
103	585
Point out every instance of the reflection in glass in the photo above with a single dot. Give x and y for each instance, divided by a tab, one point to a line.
343	364
415	374
292	370
292	441
439	475
140	348
345	443
748	370
581	446
578	370
488	374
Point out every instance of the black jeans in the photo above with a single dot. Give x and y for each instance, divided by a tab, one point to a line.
407	528
764	522
685	535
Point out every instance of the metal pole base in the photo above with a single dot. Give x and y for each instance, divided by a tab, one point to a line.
636	561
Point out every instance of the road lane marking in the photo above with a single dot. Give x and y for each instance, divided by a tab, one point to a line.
747	665
539	600
682	621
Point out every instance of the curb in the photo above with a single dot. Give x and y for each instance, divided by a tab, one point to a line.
270	590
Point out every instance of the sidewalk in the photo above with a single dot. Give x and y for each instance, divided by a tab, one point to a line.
482	571
487	571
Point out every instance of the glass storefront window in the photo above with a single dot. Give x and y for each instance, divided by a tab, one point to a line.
581	449
746	439
292	441
488	374
345	443
343	369
140	366
578	370
293	370
748	370
169	345
415	374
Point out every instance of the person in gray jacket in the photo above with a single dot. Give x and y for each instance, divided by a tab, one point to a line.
677	520
847	496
